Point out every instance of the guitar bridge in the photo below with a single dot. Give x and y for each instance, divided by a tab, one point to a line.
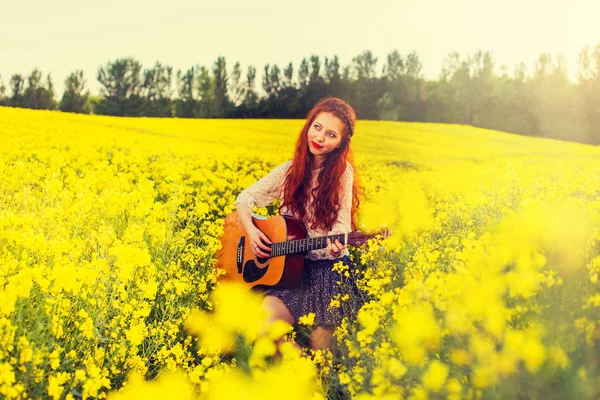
240	254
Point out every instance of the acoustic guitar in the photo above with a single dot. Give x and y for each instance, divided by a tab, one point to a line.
289	245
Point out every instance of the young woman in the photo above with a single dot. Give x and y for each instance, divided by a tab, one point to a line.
318	187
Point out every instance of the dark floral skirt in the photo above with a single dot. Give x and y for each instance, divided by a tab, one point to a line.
320	285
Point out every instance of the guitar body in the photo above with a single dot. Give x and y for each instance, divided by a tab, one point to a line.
241	265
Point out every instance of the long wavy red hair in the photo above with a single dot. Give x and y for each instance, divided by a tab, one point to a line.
326	198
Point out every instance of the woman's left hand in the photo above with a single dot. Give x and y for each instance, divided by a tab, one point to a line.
336	248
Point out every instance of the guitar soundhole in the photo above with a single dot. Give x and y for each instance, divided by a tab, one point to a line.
252	272
262	260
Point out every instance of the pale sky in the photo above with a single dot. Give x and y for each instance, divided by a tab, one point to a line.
61	36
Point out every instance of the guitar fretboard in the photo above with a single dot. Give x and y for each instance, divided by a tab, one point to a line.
302	245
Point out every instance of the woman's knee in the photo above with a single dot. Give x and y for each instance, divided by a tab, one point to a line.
277	309
322	338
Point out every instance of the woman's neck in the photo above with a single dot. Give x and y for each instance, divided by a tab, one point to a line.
317	163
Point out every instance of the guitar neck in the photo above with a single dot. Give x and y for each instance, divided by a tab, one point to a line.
303	245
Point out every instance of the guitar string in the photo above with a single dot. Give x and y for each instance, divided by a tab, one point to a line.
297	245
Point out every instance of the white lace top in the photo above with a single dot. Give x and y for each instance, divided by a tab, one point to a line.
267	189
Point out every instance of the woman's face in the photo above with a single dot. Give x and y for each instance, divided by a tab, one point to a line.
324	135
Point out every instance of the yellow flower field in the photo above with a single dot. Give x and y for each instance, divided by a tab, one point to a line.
487	288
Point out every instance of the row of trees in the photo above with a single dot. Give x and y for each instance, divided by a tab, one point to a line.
470	90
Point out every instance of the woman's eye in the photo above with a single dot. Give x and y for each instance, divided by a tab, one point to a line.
316	126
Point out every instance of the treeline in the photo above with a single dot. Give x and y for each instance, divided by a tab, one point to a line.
470	90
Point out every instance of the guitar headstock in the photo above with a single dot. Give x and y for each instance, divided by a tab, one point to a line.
358	238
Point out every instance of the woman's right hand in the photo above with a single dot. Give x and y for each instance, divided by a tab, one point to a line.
258	246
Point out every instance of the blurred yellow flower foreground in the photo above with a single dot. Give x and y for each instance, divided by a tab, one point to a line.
487	288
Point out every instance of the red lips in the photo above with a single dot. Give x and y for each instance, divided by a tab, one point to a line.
316	146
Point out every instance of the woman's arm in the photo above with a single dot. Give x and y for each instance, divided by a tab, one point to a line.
260	193
258	240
